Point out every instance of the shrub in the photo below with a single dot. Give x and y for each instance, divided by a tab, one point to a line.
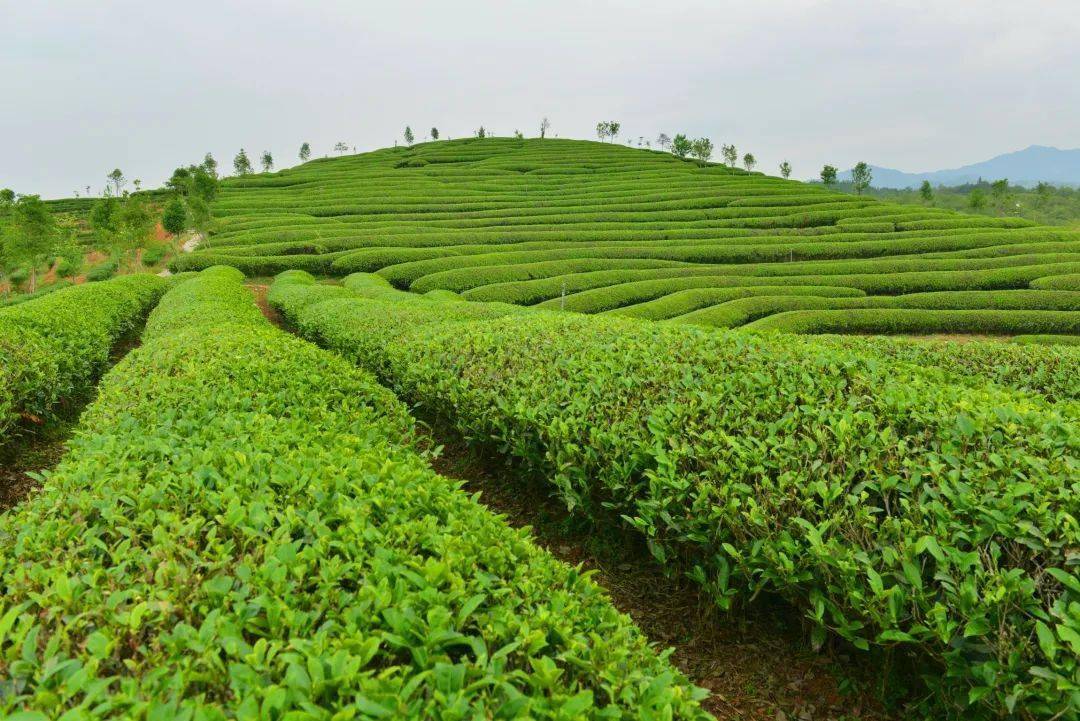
54	346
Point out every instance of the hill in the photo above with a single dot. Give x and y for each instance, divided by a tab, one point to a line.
1027	167
595	227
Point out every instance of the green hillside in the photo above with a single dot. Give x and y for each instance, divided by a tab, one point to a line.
594	227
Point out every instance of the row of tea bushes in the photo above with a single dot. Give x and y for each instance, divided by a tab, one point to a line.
893	505
241	529
55	346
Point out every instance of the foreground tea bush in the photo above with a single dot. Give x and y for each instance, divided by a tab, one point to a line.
241	530
55	346
893	505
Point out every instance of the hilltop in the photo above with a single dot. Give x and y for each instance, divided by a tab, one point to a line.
596	227
1027	167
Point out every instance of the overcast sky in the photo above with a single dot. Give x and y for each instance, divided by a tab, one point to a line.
146	86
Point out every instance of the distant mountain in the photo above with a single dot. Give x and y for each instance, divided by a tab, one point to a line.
1024	167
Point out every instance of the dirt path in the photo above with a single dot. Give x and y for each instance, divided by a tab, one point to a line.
260	290
189	245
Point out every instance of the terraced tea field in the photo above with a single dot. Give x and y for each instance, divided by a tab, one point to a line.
602	228
251	519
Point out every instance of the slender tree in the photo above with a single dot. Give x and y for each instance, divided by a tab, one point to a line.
434	133
267	161
209	164
305	152
602	130
116	177
545	125
241	164
341	147
749	161
481	132
681	146
702	149
785	169
613	129
861	176
828	175
730	154
663	141
409	138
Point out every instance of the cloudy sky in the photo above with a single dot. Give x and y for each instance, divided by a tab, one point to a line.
146	86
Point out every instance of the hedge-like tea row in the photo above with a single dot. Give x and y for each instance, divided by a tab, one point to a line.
893	504
733	312
918	321
241	530
54	346
1052	372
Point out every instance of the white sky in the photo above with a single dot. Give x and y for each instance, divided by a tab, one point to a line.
147	86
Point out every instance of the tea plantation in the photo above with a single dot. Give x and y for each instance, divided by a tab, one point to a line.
594	227
248	522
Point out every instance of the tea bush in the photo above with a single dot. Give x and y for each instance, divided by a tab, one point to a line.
54	346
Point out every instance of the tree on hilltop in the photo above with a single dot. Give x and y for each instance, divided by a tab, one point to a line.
241	164
681	146
749	161
305	152
209	164
608	129
663	141
730	154
7	198
860	177
267	161
785	169
828	175
340	147
481	133
545	125
702	149
434	133
116	177
409	137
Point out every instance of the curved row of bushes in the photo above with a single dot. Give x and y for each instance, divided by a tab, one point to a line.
734	312
53	347
920	321
242	530
895	506
654	284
